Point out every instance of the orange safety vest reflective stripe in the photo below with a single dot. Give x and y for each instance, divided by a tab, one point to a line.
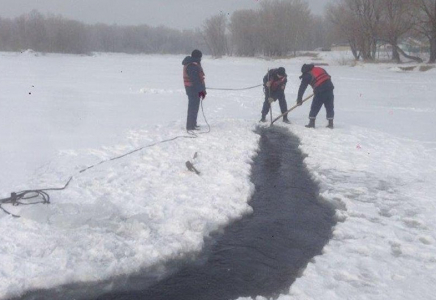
319	76
187	81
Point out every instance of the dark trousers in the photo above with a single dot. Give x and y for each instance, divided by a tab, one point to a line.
279	95
327	98
193	107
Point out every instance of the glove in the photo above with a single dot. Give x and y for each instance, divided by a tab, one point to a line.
270	100
202	95
268	84
299	102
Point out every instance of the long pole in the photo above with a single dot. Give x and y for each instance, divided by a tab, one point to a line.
291	109
269	96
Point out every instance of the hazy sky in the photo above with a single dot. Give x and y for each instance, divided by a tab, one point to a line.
179	14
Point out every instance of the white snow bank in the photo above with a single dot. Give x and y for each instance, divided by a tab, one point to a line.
130	213
385	244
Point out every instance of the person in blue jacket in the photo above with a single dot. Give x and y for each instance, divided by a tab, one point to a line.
274	84
323	87
193	78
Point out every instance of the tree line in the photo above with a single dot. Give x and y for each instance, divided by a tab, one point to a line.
276	28
57	34
364	24
281	27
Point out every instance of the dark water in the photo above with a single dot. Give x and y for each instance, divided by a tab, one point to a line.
261	254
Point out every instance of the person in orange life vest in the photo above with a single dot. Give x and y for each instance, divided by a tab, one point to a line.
323	87
274	83
193	78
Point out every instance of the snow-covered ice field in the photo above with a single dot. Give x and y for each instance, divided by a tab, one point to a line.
62	113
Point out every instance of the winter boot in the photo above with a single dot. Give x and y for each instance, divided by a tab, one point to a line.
311	123
330	125
285	119
263	120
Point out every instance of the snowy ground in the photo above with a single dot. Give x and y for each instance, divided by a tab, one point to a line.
61	113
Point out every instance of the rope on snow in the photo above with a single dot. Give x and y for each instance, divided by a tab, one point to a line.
241	89
27	197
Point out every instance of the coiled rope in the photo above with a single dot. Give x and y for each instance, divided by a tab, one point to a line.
27	197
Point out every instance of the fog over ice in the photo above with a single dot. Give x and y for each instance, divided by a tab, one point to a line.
179	14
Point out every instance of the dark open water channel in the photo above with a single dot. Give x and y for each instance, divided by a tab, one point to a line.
261	254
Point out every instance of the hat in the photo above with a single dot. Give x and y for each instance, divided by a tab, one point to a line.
306	68
281	71
196	53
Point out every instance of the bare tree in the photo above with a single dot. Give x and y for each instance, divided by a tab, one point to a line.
284	26
346	27
35	33
6	37
427	24
320	35
360	20
399	17
271	30
300	24
244	29
368	15
214	33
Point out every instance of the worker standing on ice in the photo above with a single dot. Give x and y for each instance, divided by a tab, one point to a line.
274	83
193	78
323	87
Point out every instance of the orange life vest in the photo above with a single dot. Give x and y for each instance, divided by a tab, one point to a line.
319	76
276	83
187	81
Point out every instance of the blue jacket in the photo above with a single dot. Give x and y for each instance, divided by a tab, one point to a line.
277	82
306	79
195	73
